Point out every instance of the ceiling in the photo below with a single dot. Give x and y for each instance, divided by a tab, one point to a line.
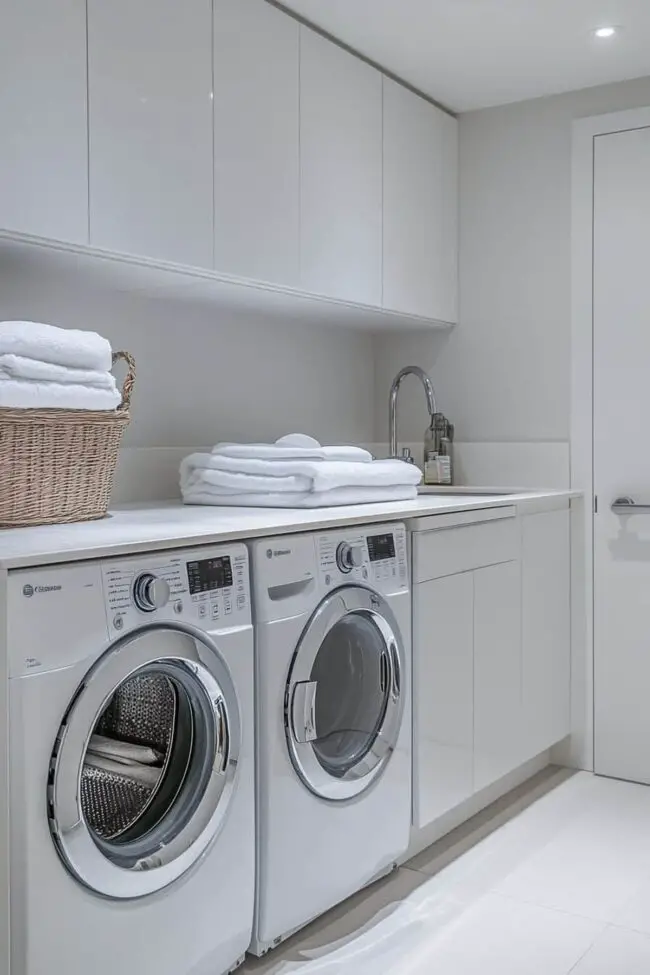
469	54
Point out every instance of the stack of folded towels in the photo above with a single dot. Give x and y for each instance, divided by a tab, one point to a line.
45	367
294	472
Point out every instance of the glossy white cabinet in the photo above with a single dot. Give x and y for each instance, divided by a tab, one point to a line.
420	195
341	172
43	119
546	609
225	137
443	682
491	650
150	113
497	673
256	141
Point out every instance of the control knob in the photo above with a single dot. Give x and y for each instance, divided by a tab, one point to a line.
349	557
150	593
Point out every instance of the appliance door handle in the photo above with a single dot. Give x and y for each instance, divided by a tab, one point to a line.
222	734
628	506
396	671
303	711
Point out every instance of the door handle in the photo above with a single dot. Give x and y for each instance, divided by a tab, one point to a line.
628	506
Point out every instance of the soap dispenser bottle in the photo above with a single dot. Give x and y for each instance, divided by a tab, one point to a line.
438	459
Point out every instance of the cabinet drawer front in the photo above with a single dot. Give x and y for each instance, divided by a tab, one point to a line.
451	550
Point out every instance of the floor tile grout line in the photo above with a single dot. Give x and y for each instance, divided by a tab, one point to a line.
587	950
547	907
626	927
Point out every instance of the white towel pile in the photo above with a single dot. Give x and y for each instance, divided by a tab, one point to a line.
45	367
294	472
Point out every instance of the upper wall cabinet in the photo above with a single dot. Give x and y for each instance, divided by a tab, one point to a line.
341	172
44	155
225	137
256	141
151	157
420	206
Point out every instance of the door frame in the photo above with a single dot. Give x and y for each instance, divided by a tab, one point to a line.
585	132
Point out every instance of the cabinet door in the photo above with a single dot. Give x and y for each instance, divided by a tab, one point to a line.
443	696
497	672
420	206
341	172
43	119
546	628
256	141
151	161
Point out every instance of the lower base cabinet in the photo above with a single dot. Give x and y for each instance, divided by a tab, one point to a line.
546	628
491	648
443	729
497	672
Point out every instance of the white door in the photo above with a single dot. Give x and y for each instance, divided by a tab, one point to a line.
621	453
150	111
341	172
43	119
256	141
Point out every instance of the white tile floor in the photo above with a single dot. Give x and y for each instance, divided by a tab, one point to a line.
553	880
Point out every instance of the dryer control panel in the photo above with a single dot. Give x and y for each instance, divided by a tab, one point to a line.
374	556
207	587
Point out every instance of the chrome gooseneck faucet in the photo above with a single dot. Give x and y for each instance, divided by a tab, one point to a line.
392	412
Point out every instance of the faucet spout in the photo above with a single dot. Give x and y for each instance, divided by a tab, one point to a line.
394	390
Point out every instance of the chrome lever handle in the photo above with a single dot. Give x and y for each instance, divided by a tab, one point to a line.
628	506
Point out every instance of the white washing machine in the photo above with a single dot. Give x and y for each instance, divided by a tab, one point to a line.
332	648
131	765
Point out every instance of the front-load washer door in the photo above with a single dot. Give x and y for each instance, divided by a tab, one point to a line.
144	763
344	700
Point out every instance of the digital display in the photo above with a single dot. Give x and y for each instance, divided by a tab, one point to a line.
209	574
381	547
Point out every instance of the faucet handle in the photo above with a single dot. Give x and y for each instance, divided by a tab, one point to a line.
407	456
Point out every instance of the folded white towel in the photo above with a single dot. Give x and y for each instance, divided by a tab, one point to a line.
62	346
234	475
18	394
234	483
295	446
21	367
308	499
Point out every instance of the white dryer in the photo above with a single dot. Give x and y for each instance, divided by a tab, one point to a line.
333	735
131	775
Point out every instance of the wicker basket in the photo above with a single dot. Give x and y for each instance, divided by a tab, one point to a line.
57	466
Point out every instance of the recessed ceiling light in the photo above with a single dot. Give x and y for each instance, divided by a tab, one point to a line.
605	32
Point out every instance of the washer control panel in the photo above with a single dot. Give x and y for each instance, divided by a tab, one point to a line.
205	587
375	556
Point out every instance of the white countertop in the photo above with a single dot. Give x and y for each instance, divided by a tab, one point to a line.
144	528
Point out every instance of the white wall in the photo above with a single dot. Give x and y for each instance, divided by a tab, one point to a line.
503	374
205	376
